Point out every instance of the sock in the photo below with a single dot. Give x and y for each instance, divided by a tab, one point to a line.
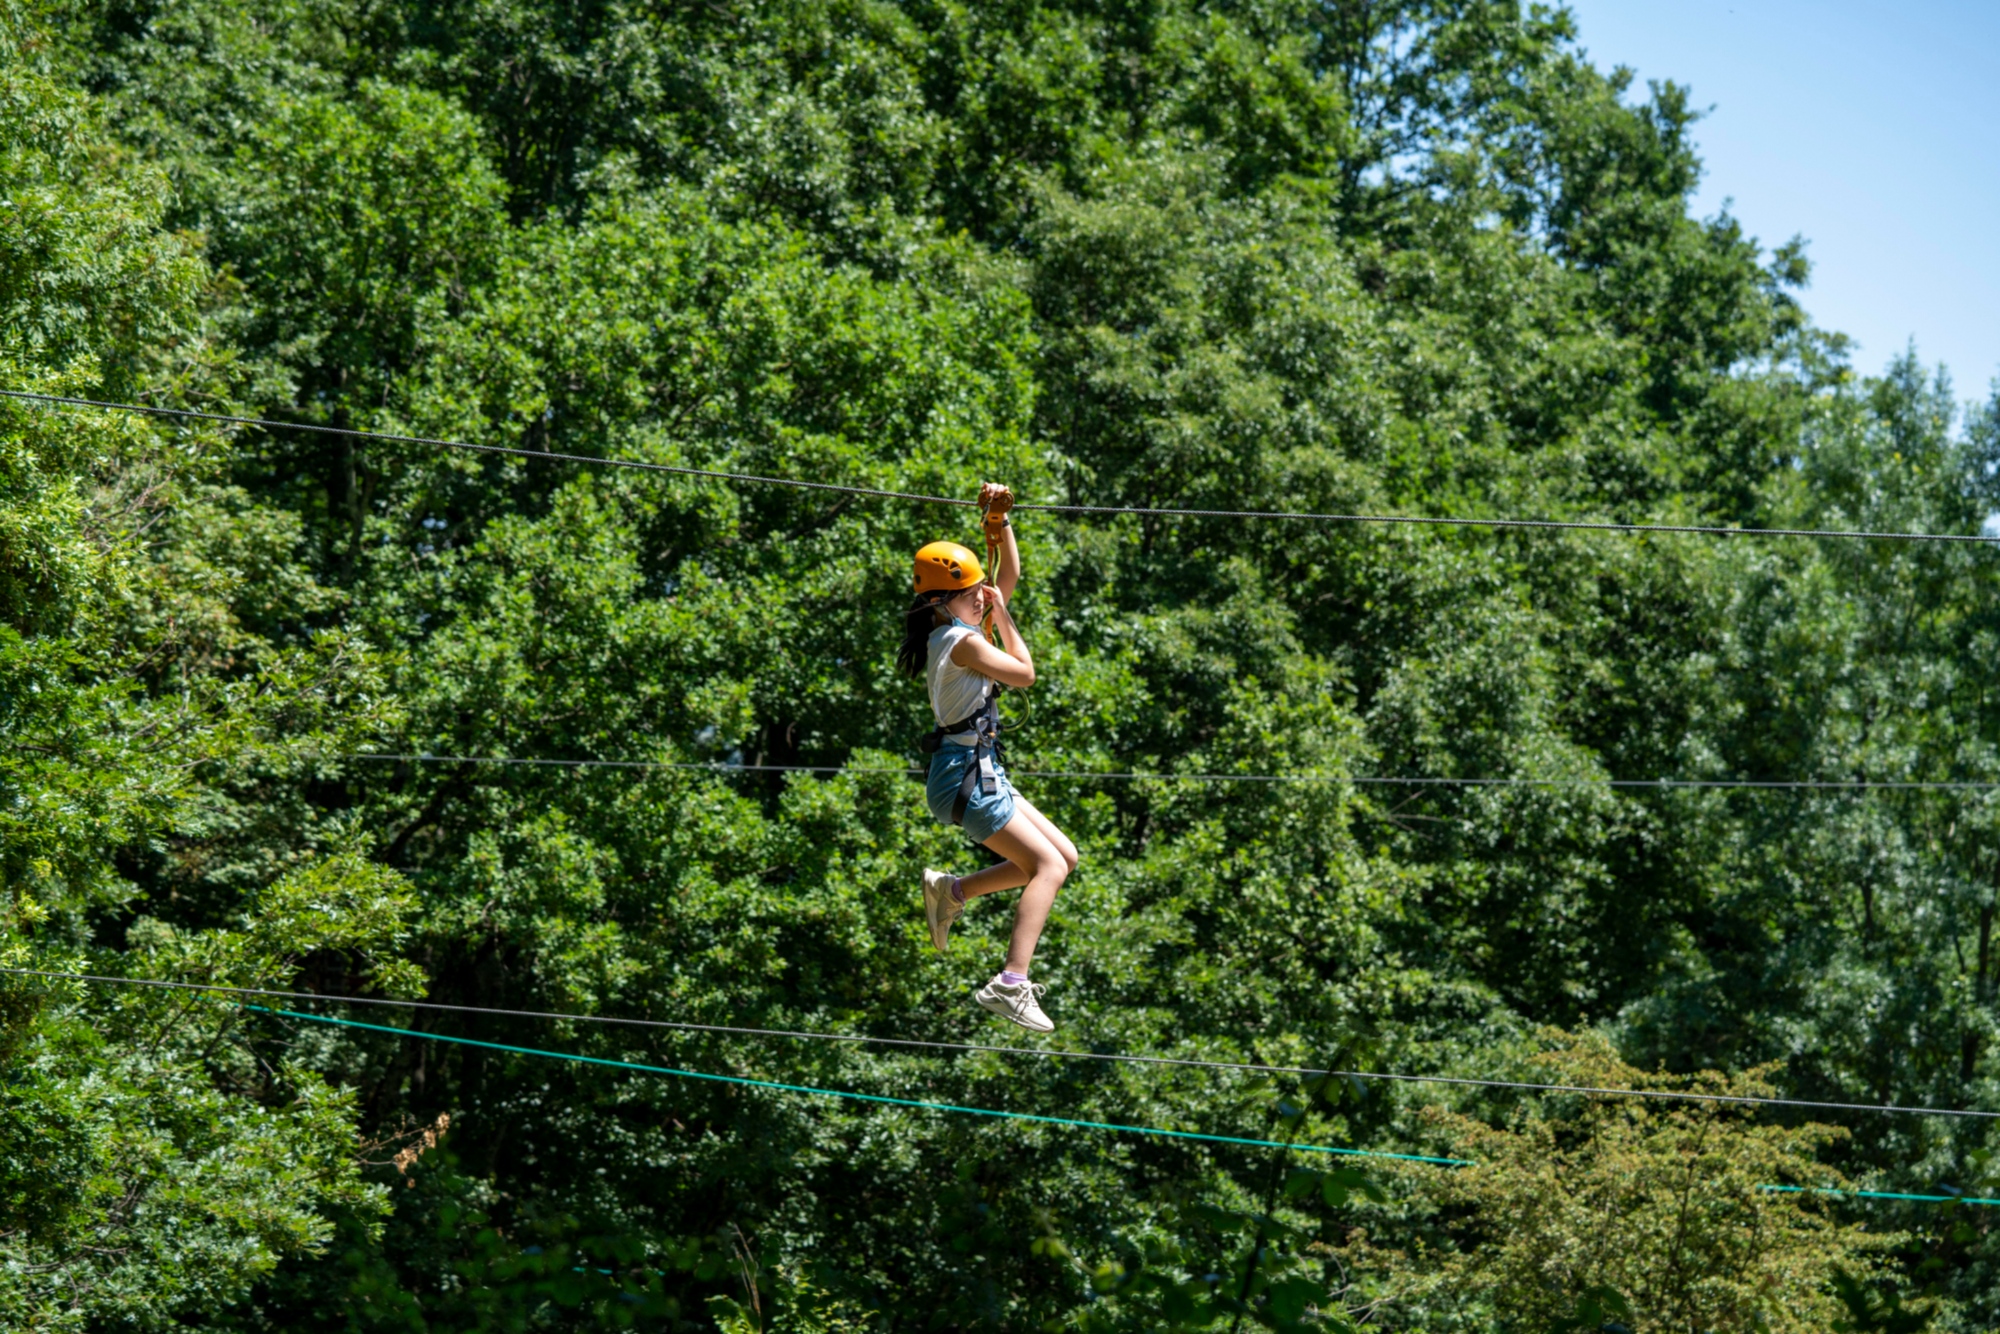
957	894
1010	978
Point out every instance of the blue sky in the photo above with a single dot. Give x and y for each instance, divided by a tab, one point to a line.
1873	130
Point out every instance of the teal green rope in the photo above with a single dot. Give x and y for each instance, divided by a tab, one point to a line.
1022	1116
862	1097
1884	1195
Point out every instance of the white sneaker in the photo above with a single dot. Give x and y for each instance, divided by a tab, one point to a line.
1021	1003
940	908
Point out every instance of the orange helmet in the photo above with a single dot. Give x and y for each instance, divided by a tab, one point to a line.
947	567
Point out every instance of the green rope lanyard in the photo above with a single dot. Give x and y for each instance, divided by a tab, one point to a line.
1023	1116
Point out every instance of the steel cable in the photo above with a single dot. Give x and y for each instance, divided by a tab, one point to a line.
1710	530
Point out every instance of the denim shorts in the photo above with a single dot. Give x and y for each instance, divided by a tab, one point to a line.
986	814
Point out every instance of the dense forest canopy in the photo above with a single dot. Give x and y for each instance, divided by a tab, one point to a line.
1352	256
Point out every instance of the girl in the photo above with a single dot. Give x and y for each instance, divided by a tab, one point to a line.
942	637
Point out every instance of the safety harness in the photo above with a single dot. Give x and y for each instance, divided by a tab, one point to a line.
980	776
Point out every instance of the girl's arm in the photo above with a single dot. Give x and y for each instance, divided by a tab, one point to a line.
1007	568
1007	571
1010	664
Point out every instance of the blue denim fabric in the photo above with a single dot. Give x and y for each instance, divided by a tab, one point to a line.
985	815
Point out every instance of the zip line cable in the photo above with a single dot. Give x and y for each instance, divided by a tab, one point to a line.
1247	1067
1030	1116
1712	530
488	449
1360	781
865	1097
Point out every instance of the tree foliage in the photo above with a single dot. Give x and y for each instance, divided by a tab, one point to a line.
1680	1214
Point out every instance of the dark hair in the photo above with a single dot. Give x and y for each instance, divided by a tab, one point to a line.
918	622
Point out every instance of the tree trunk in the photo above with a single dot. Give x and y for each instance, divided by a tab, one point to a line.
1968	1053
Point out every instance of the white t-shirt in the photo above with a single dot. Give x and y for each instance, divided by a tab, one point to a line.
955	691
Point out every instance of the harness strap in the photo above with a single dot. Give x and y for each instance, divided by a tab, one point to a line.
979	777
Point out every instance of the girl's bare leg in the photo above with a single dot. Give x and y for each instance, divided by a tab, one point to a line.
1031	860
1003	875
1048	827
1009	874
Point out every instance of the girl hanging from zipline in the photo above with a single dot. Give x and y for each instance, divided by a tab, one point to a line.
944	638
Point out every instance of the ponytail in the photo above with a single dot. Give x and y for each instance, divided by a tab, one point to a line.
918	622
